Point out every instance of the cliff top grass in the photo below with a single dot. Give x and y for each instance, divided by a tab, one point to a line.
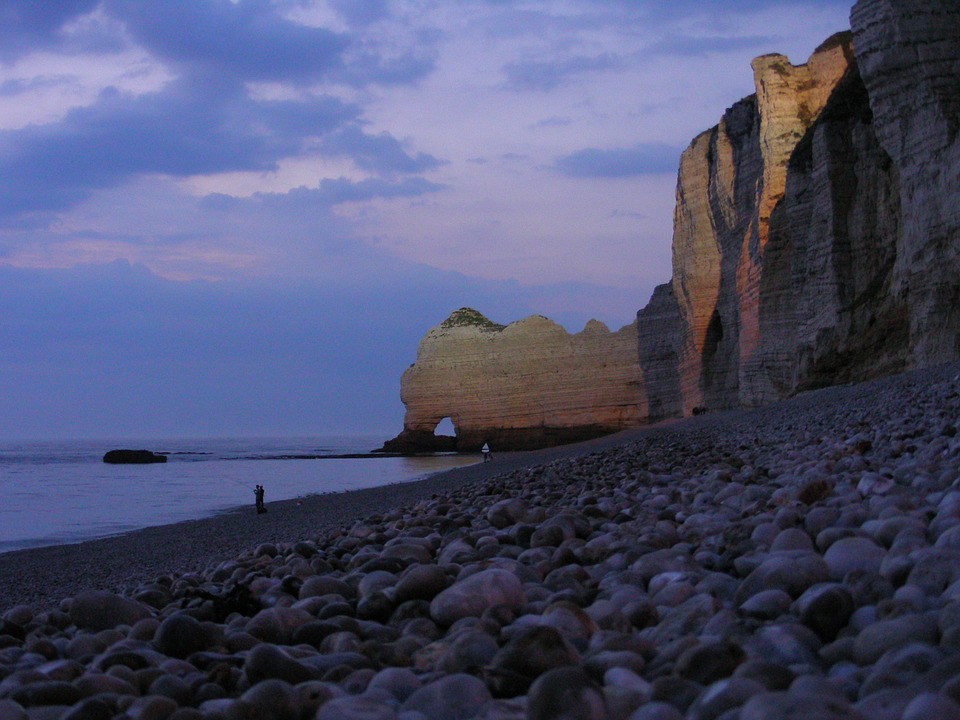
468	317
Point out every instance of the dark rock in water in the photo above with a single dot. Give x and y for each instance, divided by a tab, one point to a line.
133	457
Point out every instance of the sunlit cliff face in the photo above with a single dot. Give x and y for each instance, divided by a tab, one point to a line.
525	384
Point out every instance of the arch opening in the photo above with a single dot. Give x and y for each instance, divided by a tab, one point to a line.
445	428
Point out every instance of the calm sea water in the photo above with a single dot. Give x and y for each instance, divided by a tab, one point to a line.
62	492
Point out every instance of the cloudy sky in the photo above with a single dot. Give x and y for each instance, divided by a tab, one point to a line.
239	217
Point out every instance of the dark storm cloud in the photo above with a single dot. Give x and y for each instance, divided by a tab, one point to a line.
643	159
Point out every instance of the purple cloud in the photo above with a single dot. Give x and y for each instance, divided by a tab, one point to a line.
28	25
381	153
547	75
361	12
642	159
249	40
327	194
186	129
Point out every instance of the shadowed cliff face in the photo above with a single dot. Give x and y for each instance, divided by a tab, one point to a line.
827	312
909	57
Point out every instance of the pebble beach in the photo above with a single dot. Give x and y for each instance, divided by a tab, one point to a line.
797	561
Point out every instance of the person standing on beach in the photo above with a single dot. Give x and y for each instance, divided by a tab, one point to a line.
486	452
258	492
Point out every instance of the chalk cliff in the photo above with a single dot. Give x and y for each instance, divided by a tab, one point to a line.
731	179
816	241
817	226
909	56
527	384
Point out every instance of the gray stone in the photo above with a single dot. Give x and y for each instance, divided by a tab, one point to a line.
825	609
880	637
401	683
506	512
766	604
420	582
708	662
453	697
180	635
98	610
928	706
468	651
722	696
565	693
853	553
885	704
277	624
151	707
786	706
527	656
769	674
270	700
656	711
472	596
792	539
266	662
318	585
355	708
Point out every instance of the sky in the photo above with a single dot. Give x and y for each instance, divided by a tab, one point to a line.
239	217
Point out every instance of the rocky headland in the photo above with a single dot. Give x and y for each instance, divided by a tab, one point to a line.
529	384
816	241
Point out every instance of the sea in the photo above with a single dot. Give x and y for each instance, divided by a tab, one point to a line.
60	492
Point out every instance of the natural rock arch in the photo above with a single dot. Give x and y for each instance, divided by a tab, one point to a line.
519	386
445	428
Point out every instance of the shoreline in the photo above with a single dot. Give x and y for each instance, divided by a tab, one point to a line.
41	577
796	559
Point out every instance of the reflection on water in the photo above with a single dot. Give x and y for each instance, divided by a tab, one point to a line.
56	493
